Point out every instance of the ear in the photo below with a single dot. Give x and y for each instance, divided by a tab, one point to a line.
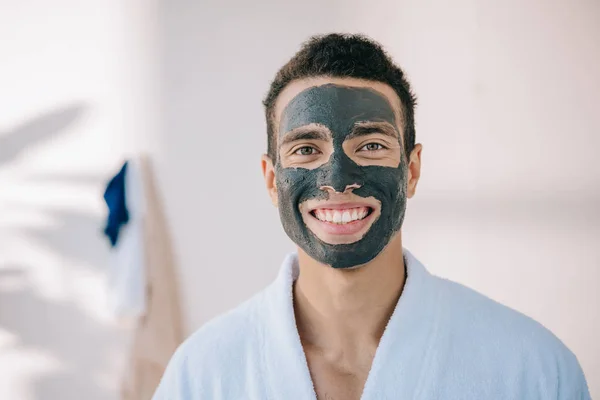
269	174
414	170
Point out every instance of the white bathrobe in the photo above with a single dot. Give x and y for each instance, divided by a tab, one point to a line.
443	341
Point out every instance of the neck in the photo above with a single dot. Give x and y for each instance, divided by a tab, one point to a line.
341	311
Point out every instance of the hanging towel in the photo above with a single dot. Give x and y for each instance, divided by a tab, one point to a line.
443	341
125	199
114	196
160	330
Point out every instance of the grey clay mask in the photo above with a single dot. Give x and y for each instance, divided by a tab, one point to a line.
339	108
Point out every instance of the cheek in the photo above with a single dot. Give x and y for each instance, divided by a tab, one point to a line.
387	181
296	185
290	183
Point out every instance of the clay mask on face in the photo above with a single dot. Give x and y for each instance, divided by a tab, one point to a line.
339	108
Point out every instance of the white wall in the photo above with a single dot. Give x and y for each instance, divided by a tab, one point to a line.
508	199
507	203
73	100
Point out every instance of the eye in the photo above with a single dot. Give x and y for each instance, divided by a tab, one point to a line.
306	151
372	147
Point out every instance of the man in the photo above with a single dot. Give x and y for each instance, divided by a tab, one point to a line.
353	315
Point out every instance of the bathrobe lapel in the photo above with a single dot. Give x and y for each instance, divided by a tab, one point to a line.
401	358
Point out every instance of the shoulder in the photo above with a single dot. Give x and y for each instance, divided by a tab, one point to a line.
503	338
471	310
216	352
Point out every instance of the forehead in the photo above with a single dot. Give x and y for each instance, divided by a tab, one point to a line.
337	107
321	92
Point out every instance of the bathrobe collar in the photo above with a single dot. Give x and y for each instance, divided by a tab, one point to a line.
401	358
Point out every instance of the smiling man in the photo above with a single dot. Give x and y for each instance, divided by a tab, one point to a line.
352	314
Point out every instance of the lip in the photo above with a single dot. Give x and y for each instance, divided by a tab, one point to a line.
350	228
340	206
332	233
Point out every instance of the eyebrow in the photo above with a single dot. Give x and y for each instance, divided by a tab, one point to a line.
307	132
370	127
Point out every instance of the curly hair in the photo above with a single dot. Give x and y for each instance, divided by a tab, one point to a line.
342	56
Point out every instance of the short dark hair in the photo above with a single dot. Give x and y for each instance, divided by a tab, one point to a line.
342	56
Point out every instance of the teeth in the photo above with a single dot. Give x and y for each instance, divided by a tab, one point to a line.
341	216
320	214
337	217
346	217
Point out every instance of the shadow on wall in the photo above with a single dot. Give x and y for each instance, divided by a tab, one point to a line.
57	331
62	330
37	131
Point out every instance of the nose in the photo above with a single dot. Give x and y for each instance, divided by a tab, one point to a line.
340	175
347	189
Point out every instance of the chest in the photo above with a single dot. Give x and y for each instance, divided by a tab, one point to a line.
335	381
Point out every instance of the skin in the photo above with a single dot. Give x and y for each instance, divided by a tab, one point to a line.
341	313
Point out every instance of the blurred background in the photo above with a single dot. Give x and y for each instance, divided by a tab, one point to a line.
508	202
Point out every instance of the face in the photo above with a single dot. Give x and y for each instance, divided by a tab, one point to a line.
340	173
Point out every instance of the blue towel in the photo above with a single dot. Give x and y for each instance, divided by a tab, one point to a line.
444	341
118	215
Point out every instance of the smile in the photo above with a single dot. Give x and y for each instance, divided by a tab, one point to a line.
341	222
342	216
